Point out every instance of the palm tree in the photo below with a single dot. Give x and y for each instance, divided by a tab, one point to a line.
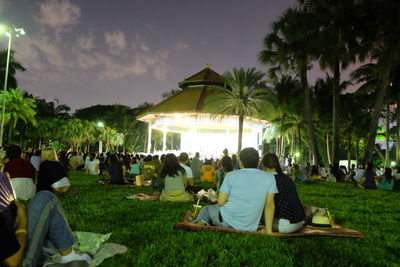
381	26
13	67
244	96
18	108
170	93
106	135
337	48
290	47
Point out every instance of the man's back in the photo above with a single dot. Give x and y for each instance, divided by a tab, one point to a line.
247	189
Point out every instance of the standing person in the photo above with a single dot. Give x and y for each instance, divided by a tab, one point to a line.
207	172
243	197
92	165
226	166
289	213
174	176
183	160
52	176
195	165
368	181
116	171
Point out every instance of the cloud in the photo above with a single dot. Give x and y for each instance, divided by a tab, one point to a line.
180	46
115	41
58	13
86	42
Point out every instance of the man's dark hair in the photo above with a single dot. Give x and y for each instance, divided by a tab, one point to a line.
13	152
183	157
249	157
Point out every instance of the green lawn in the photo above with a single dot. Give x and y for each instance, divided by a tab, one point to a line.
146	228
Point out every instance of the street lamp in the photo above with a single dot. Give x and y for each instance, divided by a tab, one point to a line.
100	124
9	31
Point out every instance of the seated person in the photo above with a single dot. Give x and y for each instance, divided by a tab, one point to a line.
175	181
52	176
314	174
92	165
385	181
337	174
135	167
75	163
183	160
226	166
323	171
41	222
36	160
368	181
289	212
297	174
16	165
116	171
207	172
243	197
21	171
397	174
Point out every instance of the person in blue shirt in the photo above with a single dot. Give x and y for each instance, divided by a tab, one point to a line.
244	195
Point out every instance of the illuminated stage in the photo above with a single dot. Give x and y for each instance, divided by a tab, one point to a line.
186	113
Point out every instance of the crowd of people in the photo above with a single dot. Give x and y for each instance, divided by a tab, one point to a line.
249	190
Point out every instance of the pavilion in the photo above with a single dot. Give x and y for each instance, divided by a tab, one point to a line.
186	113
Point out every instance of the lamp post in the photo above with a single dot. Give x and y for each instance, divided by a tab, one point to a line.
8	32
100	124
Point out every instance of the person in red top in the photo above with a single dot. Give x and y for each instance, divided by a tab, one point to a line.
17	166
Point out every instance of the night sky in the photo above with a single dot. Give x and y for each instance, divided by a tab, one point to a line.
88	52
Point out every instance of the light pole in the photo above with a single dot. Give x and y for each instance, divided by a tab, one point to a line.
8	31
100	124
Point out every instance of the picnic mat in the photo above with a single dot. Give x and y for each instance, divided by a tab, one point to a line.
337	230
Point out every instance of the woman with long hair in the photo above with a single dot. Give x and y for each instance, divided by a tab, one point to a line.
385	181
289	213
368	181
52	175
226	166
174	176
116	171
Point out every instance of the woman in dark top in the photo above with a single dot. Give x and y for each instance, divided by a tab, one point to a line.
115	170
52	175
289	213
368	181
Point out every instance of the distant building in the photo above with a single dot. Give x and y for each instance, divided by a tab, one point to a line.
186	113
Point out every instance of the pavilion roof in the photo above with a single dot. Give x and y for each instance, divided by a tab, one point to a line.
196	89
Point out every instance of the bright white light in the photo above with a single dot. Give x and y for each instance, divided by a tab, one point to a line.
393	163
100	124
297	154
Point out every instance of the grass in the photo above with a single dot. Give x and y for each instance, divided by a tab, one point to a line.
146	228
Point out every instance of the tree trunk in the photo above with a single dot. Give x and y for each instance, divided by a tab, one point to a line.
309	116
292	144
349	148
240	135
300	151
336	114
328	152
379	152
398	132
357	151
387	134
281	137
375	119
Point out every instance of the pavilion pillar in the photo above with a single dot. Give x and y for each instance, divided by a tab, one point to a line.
164	143
149	138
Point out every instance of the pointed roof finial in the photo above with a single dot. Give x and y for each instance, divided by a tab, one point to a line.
207	66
